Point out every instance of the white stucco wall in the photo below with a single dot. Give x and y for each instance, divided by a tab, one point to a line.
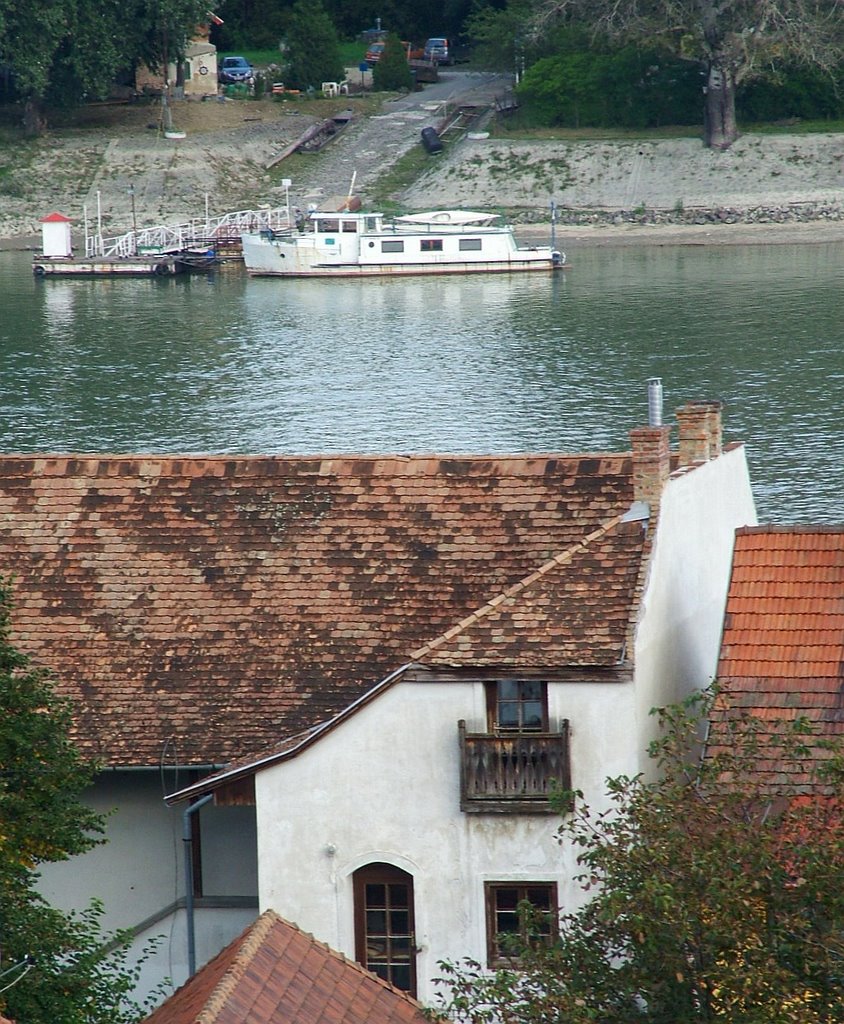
139	872
385	786
681	616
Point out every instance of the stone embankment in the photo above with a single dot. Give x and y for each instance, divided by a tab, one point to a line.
795	213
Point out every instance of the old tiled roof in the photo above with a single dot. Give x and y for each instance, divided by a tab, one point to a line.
276	974
523	625
199	608
782	654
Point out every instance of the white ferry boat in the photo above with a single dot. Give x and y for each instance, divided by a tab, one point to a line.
357	244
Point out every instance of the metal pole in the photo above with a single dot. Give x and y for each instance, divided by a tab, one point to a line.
187	839
134	221
553	224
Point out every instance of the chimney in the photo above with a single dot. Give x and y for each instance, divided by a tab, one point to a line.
651	453
700	432
651	463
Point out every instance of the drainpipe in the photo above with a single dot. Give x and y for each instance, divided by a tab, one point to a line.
187	839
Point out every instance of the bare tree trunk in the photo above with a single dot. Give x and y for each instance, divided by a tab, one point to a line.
719	116
33	117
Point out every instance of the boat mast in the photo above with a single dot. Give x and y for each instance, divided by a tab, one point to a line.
553	224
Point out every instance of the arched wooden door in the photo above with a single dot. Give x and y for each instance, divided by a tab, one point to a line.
385	940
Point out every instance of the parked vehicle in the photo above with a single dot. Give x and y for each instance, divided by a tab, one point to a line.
234	70
375	50
439	50
373	54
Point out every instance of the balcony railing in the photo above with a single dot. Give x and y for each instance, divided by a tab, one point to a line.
515	772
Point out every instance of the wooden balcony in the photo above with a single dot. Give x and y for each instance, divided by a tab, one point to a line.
512	772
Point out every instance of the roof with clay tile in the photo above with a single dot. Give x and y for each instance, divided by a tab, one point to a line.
200	608
782	653
274	972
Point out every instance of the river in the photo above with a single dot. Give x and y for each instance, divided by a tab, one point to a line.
471	364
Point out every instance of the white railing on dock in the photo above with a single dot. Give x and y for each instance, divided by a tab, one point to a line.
202	231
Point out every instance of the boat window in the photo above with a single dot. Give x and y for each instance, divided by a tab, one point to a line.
371	224
328	225
431	245
393	245
470	244
350	227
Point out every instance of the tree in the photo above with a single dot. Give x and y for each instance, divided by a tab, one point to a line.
714	892
63	51
729	40
313	49
55	967
392	70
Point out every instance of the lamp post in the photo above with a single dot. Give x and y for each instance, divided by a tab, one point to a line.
134	221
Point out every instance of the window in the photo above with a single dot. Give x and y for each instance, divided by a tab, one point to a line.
517	705
392	246
384	927
328	225
521	912
431	245
350	227
470	244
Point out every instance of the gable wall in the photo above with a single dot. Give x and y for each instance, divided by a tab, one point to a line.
385	786
682	610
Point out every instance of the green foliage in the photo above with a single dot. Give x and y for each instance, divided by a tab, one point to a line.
63	51
628	87
502	39
794	92
392	72
59	969
250	25
730	43
714	892
313	51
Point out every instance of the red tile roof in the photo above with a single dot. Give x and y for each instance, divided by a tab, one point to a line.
782	654
276	973
198	608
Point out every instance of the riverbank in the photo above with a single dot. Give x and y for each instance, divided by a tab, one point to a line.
766	189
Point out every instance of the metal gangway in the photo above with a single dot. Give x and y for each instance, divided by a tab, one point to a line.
202	232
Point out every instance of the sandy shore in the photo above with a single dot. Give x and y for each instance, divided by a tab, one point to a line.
806	232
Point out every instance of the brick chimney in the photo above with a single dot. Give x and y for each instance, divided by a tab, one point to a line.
700	432
651	463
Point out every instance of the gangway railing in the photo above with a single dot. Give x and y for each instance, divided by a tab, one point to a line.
203	231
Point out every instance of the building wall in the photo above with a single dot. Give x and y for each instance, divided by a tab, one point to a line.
385	786
682	611
139	872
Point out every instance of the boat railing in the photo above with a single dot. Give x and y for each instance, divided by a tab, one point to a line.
174	237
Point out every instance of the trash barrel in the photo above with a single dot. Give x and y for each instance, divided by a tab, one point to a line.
431	141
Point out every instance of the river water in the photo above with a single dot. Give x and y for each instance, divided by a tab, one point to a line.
470	364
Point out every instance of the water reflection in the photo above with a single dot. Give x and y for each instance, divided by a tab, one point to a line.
527	362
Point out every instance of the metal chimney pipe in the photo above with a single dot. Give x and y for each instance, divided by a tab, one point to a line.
655	402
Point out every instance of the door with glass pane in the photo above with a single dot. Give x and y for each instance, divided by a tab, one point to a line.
384	927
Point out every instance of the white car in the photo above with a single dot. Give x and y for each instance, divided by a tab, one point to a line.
438	49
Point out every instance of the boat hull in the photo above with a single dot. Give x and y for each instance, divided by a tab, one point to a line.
407	269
